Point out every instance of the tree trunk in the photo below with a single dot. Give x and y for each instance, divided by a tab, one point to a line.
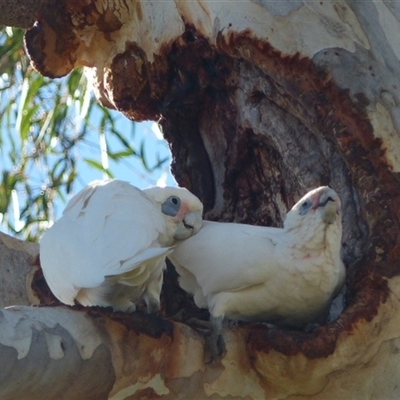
260	101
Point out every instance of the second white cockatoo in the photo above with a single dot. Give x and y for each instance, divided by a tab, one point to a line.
109	247
286	276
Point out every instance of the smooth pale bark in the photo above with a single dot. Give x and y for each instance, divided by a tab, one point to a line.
95	354
260	101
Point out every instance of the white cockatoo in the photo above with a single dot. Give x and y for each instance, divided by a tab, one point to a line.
286	276
109	247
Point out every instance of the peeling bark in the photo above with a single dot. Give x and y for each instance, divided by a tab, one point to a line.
260	101
59	350
119	356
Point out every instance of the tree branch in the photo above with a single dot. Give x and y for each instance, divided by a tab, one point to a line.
54	347
276	106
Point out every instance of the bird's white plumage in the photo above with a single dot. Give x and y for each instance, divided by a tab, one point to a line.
286	276
109	247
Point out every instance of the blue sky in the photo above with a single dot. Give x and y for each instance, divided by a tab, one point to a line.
130	169
39	115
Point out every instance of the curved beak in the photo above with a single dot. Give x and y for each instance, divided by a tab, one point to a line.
329	202
191	224
194	221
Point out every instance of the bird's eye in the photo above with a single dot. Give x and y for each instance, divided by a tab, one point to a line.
171	206
305	206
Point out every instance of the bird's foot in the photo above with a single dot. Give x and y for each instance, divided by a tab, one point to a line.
124	306
311	327
214	346
152	306
200	325
179	316
234	323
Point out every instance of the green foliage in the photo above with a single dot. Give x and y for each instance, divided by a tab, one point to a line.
44	124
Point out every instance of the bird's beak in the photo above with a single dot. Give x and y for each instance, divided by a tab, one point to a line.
329	203
191	224
193	220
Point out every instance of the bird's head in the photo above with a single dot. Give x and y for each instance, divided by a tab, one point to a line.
182	210
323	204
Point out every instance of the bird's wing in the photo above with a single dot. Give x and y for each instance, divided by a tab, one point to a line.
228	256
188	282
107	231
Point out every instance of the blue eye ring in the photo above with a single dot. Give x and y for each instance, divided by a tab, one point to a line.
305	206
171	206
